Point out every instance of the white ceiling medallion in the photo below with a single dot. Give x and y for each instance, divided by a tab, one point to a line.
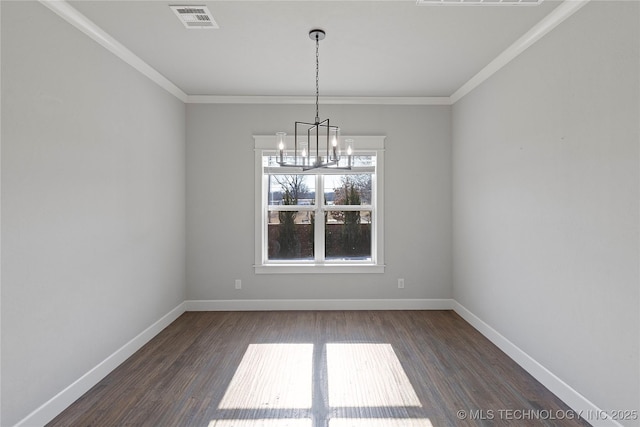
195	17
479	2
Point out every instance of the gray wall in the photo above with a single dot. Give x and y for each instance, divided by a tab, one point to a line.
545	202
542	198
220	202
93	193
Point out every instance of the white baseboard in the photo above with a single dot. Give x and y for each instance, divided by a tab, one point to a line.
572	398
49	410
54	406
318	304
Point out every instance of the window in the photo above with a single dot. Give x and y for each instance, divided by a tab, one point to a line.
322	220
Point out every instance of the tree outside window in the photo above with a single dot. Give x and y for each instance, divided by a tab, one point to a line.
319	220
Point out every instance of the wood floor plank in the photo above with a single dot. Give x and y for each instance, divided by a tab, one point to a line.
363	368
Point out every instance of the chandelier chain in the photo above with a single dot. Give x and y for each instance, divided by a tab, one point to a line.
309	145
317	78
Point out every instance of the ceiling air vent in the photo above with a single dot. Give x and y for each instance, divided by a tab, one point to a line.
479	2
195	17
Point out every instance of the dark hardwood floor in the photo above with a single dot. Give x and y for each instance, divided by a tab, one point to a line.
319	369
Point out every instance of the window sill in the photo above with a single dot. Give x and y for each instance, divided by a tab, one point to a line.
318	269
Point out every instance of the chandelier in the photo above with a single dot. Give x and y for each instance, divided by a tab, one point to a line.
315	145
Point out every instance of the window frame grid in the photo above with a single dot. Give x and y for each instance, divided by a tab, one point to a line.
367	145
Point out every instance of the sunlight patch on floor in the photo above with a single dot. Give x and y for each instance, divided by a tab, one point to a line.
262	423
380	422
271	376
367	375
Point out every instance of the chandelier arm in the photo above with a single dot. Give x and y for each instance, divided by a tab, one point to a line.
332	157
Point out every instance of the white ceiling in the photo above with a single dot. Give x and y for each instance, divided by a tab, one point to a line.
373	48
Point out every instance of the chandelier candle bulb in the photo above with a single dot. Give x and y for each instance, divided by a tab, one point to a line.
335	137
318	153
281	146
303	146
349	143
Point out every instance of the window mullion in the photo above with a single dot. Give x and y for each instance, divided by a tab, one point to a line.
352	208
265	217
299	208
318	232
347	251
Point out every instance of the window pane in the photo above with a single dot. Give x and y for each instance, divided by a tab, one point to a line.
347	189
272	161
357	160
348	235
291	235
291	189
363	160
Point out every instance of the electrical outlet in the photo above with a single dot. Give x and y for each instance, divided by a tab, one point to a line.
238	284
400	283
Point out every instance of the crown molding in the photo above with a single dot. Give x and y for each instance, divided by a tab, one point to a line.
326	100
548	23
84	24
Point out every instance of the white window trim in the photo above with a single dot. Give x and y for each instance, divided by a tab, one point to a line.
266	143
